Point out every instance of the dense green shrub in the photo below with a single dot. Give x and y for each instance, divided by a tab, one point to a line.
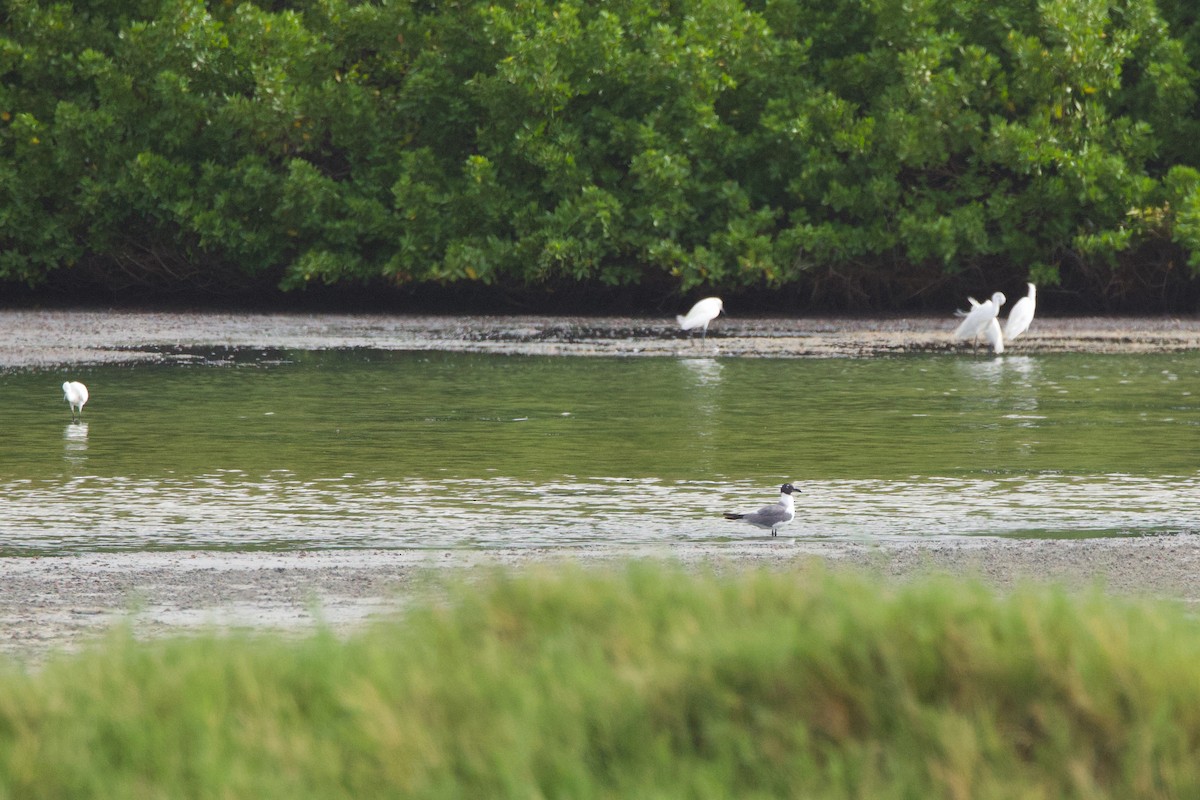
850	148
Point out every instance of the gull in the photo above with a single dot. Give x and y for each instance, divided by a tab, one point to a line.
1021	314
978	320
76	394
704	312
772	516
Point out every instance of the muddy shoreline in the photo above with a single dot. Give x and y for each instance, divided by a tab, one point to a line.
57	603
61	602
44	339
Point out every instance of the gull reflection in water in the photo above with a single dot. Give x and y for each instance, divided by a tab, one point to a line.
75	442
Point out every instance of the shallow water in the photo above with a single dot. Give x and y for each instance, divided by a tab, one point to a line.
364	448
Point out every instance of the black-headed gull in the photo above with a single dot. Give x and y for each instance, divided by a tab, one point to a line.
772	516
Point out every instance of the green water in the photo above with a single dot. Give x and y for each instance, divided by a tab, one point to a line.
370	448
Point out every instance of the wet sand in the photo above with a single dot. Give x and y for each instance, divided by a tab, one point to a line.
52	338
51	603
61	603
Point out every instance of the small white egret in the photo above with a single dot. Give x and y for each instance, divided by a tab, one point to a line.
704	312
76	394
994	335
1021	314
772	516
978	320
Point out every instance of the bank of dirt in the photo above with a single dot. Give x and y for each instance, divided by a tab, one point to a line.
53	338
49	603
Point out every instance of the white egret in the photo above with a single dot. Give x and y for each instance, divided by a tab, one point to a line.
772	516
76	394
994	335
704	312
978	320
1021	314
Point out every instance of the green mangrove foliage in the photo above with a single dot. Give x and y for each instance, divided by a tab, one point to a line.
847	147
643	682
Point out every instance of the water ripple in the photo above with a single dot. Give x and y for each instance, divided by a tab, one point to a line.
230	509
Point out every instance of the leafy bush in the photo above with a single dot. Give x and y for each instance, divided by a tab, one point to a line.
828	145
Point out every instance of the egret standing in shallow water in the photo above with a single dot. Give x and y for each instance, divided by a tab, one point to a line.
772	517
979	319
1021	314
76	394
702	313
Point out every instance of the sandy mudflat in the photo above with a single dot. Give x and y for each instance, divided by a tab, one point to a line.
59	602
52	603
50	338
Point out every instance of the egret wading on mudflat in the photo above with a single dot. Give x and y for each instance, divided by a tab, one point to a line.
704	312
1021	314
76	394
994	335
772	516
979	319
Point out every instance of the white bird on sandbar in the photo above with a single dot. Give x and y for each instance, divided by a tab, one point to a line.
1021	314
978	320
704	312
76	394
772	516
994	335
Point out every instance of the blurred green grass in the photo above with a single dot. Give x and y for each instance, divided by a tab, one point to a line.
642	681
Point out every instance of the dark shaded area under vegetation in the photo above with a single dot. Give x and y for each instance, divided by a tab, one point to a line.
579	299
